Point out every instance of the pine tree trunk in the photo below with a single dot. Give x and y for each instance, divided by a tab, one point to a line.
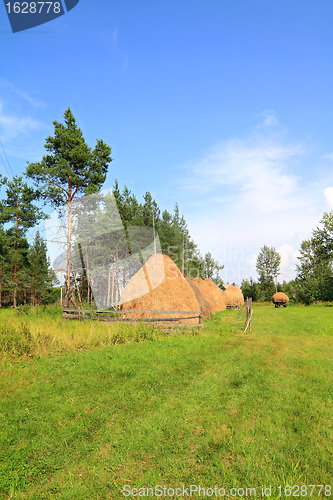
88	281
69	238
112	288
109	287
117	277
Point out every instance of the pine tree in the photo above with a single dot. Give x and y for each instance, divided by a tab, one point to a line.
69	170
42	276
5	267
18	210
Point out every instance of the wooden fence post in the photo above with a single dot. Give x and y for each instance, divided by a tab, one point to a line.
249	311
200	317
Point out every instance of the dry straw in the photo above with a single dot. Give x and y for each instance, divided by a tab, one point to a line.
212	293
280	297
172	294
206	309
233	296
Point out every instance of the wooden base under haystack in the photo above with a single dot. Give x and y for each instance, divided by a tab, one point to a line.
173	293
212	293
233	296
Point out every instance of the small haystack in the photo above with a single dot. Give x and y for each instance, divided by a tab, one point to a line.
233	296
206	309
172	293
212	293
279	299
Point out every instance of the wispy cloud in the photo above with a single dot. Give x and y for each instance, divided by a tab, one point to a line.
268	120
255	175
22	94
250	192
328	156
12	125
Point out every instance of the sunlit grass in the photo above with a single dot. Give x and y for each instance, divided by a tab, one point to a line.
223	408
35	332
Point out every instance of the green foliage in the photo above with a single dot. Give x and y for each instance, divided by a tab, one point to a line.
70	168
268	264
19	211
268	268
18	208
314	281
250	289
42	277
212	269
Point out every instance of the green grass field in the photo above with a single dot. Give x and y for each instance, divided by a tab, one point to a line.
86	409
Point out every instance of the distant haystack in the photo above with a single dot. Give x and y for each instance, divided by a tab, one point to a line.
212	293
173	294
279	299
206	309
233	296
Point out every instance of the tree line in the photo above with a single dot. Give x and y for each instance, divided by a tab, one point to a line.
68	171
314	272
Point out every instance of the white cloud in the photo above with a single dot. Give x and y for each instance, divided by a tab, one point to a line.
13	125
255	174
328	192
248	195
288	261
268	119
22	94
328	156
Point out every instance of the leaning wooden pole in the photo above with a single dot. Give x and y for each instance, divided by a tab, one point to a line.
249	311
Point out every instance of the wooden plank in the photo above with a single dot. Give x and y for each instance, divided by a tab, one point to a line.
131	320
130	311
187	325
141	320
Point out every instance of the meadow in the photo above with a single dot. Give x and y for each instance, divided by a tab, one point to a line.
93	411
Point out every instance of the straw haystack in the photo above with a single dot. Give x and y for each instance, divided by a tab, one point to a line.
203	303
233	296
212	293
280	298
172	293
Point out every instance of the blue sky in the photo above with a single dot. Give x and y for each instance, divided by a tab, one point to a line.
225	107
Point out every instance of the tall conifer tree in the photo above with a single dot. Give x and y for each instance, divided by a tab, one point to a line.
19	210
69	170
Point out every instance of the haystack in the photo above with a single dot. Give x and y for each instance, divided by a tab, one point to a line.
212	293
233	296
172	293
203	303
280	298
